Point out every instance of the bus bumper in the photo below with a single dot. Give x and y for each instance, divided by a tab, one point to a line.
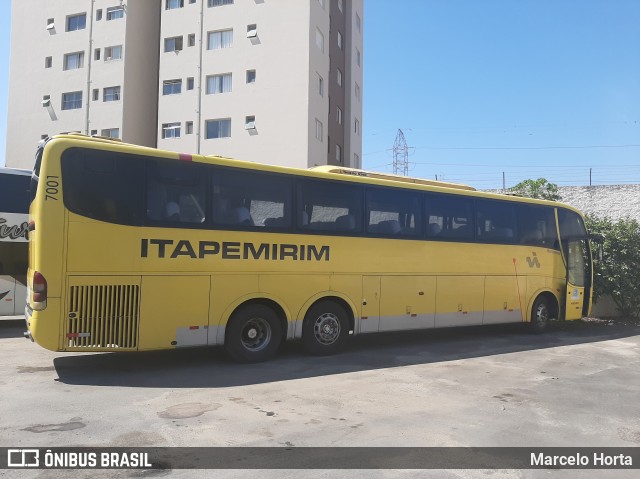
27	316
42	326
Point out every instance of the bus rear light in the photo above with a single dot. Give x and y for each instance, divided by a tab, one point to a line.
32	226
39	289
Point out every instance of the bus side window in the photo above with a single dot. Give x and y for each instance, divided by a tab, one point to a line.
537	226
104	185
393	212
329	206
496	221
449	217
251	199
175	192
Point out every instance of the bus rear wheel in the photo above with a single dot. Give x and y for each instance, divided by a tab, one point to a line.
325	329
253	334
540	315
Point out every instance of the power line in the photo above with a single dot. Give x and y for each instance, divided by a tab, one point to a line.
524	147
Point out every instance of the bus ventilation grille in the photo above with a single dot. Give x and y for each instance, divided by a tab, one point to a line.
103	317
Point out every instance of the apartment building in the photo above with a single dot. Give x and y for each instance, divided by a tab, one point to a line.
270	81
82	65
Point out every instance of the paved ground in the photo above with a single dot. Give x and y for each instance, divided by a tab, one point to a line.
577	385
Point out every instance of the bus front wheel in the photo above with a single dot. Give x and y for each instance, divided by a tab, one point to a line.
325	329
540	315
253	334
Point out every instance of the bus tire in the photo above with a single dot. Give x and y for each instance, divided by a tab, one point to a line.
253	334
540	315
325	329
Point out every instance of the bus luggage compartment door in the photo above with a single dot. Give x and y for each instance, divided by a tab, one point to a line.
174	311
370	317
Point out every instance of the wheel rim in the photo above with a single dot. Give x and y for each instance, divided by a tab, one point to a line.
327	329
542	315
256	334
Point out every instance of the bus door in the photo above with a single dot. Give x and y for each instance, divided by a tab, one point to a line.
578	278
577	256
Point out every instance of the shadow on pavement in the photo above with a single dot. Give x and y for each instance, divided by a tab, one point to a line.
12	328
208	367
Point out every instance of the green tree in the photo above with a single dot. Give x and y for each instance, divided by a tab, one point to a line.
540	188
617	274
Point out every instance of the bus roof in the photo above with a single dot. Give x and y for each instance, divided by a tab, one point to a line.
388	176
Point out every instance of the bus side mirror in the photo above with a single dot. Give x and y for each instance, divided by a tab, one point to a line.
599	241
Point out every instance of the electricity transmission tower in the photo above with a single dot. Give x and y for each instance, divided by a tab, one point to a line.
400	155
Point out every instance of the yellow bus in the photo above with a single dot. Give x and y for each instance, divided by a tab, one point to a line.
137	249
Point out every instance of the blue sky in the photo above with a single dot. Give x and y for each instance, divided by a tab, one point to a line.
531	88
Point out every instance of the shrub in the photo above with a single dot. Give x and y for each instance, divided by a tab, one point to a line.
618	273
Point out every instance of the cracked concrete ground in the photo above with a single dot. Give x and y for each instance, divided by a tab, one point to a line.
577	385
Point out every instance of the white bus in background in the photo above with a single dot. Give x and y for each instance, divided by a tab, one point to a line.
14	247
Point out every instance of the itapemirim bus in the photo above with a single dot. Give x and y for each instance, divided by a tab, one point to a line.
14	217
137	249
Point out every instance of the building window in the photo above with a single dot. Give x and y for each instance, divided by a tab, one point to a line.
319	40
191	40
358	23
250	122
319	132
76	22
188	127
51	24
356	126
171	87
357	91
170	130
113	53
46	100
338	153
110	132
96	94
219	3
114	13
339	115
220	39
72	100
252	30
340	40
358	59
340	5
218	84
190	83
218	128
173	44
111	93
73	61
94	132
98	14
320	85
48	62
251	76
171	4
96	54
339	75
